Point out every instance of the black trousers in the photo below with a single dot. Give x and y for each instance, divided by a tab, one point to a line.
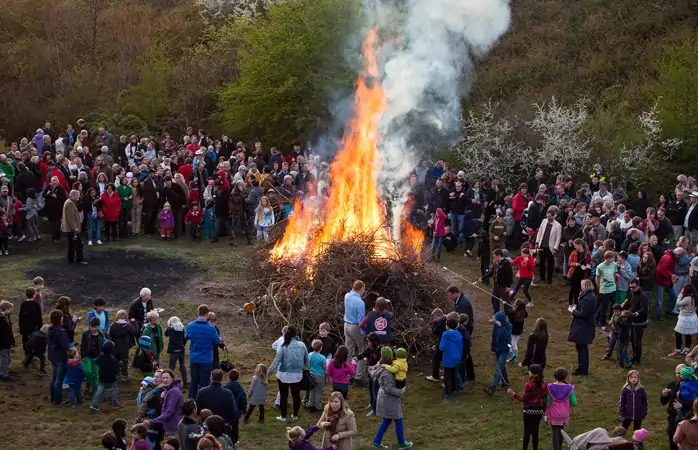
74	247
295	389
637	424
671	429
261	412
636	334
450	380
110	228
575	288
436	363
124	217
678	337
235	429
497	294
547	264
531	429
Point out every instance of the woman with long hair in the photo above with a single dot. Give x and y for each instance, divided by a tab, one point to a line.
583	328
537	345
290	360
339	423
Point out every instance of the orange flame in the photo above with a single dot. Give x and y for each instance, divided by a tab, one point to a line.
353	206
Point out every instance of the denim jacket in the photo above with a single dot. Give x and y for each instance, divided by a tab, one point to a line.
292	358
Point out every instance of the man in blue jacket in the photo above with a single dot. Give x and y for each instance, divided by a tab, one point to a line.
500	344
202	337
452	347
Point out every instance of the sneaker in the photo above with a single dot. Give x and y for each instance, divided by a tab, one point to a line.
511	356
94	408
686	351
281	419
406	444
469	253
370	414
66	386
603	329
379	445
606	357
675	354
21	238
294	418
533	284
515	360
7	252
89	243
430	378
99	242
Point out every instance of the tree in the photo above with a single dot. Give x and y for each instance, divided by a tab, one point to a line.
291	66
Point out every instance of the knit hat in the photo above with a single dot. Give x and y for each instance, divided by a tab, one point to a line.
640	435
401	353
387	353
148	381
687	373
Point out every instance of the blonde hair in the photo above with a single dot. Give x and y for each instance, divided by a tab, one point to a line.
173	320
152	315
261	372
38	280
211	316
587	286
630	373
121	314
295	434
325	326
316	345
260	207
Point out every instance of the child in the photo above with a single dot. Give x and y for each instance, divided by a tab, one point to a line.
466	369
438	224
204	414
175	346
339	370
399	367
193	219
108	372
36	347
452	347
318	366
210	220
501	338
7	339
263	219
537	345
372	355
438	326
90	346
216	356
613	335
533	398
625	275
510	223
139	432
378	320
517	316
240	400
299	439
30	318
557	411
171	443
450	240
527	266
189	431
329	346
624	326
154	331
124	335
687	324
100	313
633	402
167	222
33	204
639	438
5	232
75	374
258	392
118	428
39	288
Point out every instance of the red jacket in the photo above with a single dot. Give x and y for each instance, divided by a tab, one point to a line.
111	206
439	224
185	170
526	268
193	217
17	217
61	179
519	204
665	269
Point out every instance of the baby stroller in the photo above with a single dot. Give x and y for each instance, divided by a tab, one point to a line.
143	359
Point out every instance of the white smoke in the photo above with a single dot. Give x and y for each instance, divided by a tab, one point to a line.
426	72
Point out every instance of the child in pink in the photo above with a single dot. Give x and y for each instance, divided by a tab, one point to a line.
557	412
439	232
339	370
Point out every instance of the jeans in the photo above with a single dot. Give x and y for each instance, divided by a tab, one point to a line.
582	359
100	392
680	283
4	362
200	377
623	358
526	284
342	388
174	357
399	431
56	386
500	372
457	222
75	394
660	299
373	393
94	228
612	341
605	302
295	394
436	246
636	341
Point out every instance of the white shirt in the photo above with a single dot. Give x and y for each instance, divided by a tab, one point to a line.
688	214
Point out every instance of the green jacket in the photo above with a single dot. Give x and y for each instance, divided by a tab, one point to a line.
156	335
9	170
126	195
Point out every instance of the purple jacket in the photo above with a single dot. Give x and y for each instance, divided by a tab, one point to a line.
304	444
171	412
558	413
633	403
167	220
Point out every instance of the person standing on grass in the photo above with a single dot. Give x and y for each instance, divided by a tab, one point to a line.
579	266
639	306
388	402
140	307
218	399
71	225
606	279
669	398
548	240
291	359
171	412
354	313
534	399
203	336
560	400
633	402
462	305
583	329
499	345
503	277
58	344
109	368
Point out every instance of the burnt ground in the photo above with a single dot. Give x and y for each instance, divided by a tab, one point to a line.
116	275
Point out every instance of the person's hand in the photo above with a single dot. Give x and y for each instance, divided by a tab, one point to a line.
520	364
132	319
479	280
676	405
354	360
666	392
335	438
511	393
146	423
324	424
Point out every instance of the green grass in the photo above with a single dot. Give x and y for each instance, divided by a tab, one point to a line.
472	421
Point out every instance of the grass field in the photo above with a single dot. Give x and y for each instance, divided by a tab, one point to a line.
176	272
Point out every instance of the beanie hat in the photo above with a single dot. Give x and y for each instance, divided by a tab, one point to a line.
687	373
387	353
640	435
401	353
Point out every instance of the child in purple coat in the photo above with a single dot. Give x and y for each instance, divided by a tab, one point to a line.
167	222
633	402
557	412
298	439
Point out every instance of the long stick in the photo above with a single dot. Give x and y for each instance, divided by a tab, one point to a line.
474	284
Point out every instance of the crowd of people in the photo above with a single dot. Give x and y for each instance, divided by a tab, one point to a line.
620	258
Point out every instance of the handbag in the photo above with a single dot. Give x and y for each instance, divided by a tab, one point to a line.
307	382
226	365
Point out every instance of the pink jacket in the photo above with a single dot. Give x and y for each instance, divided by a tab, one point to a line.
341	375
558	413
439	223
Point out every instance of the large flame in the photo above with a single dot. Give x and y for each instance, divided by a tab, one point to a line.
354	206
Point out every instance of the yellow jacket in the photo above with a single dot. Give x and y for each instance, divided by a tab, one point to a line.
398	368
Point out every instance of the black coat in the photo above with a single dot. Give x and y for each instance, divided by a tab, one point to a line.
637	302
136	312
583	328
124	337
30	319
219	400
7	339
36	345
463	306
175	195
676	212
109	365
693	218
535	351
501	273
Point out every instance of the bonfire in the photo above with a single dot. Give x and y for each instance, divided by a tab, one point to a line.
326	246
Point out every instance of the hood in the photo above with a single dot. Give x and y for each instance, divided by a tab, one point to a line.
224	180
53	331
560	391
177	327
451	336
375	371
107	347
501	317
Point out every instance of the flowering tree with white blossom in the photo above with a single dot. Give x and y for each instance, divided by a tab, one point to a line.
235	8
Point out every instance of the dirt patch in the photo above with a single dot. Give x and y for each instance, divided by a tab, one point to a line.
115	275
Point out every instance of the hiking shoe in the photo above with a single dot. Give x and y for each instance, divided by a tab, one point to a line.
430	378
406	444
675	354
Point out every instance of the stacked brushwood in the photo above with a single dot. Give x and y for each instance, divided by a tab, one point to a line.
285	293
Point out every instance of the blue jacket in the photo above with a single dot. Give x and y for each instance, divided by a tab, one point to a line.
58	343
75	373
463	306
501	334
92	314
452	347
203	337
292	358
219	400
239	395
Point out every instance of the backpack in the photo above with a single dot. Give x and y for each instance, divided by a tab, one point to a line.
144	360
688	391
